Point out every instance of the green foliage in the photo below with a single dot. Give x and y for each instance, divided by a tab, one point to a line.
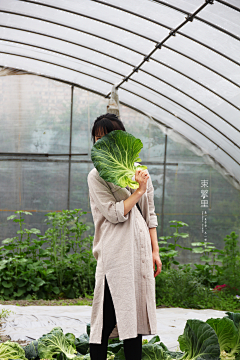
231	261
31	350
11	350
82	344
114	155
228	332
182	288
55	343
210	271
199	341
179	288
41	266
168	253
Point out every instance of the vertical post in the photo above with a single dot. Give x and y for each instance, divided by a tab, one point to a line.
70	150
164	176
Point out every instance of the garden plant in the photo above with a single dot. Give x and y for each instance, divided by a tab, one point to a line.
35	266
60	264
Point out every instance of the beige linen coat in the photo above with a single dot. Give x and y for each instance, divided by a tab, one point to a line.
123	250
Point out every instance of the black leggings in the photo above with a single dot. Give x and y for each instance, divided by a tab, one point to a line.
132	347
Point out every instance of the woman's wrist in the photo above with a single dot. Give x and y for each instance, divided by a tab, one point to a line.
140	191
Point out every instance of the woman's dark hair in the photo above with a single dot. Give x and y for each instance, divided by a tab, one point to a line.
107	123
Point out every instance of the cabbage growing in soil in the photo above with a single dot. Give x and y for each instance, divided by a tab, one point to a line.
114	156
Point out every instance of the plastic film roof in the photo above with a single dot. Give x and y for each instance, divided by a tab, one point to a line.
176	61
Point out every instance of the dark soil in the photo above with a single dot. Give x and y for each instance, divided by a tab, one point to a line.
54	302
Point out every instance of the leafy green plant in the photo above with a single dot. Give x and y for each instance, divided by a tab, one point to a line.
210	271
168	253
4	313
11	350
114	155
199	341
177	288
55	343
31	350
30	271
65	233
228	332
183	288
231	261
19	263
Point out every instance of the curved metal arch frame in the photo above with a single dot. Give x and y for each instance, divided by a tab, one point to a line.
168	111
203	65
143	113
150	88
167	47
170	6
196	17
119	27
136	67
77	44
64	54
152	102
229	5
144	71
192	112
121	60
197	82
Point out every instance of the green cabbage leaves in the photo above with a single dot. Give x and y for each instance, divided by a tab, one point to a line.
228	333
114	156
11	350
54	343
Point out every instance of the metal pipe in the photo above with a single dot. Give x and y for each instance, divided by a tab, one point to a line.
163	189
70	150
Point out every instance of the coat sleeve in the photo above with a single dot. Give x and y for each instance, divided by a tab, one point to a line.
153	222
105	201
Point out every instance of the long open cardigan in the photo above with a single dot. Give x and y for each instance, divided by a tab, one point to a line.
123	250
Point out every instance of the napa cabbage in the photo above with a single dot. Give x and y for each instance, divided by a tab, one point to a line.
11	350
54	343
199	341
228	332
114	156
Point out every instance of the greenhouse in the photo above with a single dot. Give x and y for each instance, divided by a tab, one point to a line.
170	71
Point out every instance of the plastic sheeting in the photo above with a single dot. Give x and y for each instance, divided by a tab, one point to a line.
190	85
31	322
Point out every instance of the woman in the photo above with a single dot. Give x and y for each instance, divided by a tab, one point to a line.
126	249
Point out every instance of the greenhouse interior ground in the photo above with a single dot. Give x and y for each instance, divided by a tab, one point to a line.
170	70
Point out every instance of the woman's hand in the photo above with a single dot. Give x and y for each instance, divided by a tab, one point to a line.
157	261
141	176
